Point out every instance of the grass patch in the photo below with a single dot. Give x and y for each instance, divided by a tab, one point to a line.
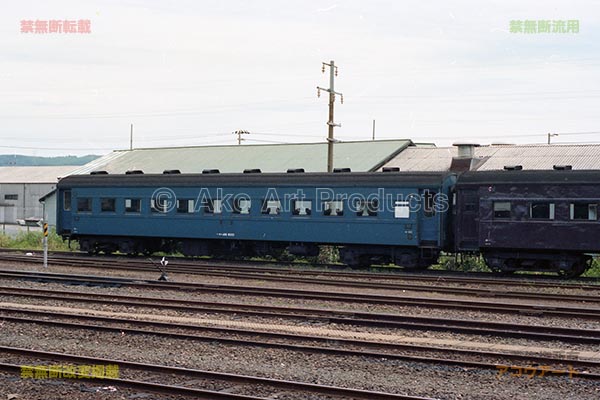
464	263
34	241
593	272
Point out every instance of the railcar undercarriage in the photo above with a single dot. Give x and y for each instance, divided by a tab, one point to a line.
357	256
569	265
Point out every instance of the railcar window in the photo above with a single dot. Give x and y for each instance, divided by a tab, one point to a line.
84	204
161	207
541	211
185	206
67	200
272	207
584	211
302	207
335	207
107	205
241	206
213	206
428	203
502	209
402	209
11	197
367	208
133	205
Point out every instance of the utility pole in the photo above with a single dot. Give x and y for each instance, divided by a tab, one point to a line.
239	135
45	233
131	137
333	71
373	129
550	135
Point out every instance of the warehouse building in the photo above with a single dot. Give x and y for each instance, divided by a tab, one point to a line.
21	189
358	156
495	157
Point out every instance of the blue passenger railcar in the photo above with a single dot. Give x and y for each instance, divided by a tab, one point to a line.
373	217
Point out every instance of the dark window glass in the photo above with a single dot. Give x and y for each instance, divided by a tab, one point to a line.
107	205
502	209
428	203
212	206
159	207
185	206
133	205
67	200
11	197
367	208
541	211
302	207
335	207
272	207
84	204
241	206
584	211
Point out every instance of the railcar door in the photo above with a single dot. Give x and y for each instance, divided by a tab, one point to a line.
429	219
467	220
63	211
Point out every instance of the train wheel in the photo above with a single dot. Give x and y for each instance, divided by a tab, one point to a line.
577	268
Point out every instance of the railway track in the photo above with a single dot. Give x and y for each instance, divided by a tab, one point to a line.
344	317
167	371
404	300
195	266
324	345
277	276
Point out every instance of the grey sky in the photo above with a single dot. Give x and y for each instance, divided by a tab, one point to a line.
191	72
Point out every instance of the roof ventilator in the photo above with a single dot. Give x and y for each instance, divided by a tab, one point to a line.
295	170
338	170
562	167
252	171
390	169
134	172
513	167
211	171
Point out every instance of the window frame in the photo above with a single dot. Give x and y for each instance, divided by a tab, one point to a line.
328	208
110	200
89	207
402	209
212	206
590	207
237	209
367	208
496	203
302	211
129	209
551	210
190	205
67	204
265	208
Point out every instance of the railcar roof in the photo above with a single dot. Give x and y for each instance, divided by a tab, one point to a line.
258	179
533	176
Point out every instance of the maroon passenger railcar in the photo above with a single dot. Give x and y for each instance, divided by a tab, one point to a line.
529	220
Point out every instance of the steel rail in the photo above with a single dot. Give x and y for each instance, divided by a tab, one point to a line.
528	309
357	318
531	358
478	292
171	389
191	266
